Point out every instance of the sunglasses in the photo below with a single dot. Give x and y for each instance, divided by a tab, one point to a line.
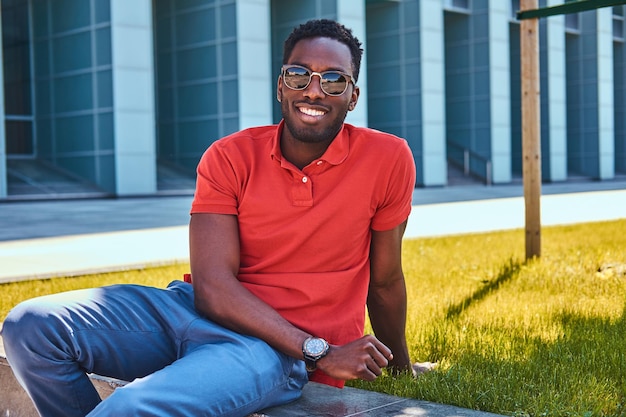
333	83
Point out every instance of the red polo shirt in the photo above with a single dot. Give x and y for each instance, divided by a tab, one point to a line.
305	234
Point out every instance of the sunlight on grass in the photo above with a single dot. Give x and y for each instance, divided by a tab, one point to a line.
547	337
539	338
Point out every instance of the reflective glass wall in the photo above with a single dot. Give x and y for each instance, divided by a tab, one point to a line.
71	47
394	65
103	97
17	68
196	79
468	94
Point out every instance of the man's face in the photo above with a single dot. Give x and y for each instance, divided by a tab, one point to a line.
311	115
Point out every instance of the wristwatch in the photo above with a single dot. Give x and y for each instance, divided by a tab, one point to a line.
314	349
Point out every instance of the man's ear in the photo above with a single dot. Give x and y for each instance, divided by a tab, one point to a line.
279	90
354	98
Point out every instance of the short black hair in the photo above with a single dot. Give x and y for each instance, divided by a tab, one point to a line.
324	28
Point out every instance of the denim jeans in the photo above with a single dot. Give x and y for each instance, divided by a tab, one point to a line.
180	364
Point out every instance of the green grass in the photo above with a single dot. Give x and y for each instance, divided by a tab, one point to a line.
539	338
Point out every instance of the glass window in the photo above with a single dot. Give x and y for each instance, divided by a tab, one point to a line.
461	4
618	23
68	15
515	7
572	22
103	11
618	29
458	4
19	137
17	77
16	51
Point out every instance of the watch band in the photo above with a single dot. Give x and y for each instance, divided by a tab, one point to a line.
310	365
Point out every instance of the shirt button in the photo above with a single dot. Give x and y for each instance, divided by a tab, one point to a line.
304	179
319	163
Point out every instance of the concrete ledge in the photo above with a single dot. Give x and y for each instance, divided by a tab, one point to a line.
14	401
316	400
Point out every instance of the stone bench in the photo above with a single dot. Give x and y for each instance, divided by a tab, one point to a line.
316	400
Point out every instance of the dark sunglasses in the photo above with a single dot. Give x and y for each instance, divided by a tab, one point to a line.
333	83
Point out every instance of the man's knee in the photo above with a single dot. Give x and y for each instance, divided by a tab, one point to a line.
14	322
26	325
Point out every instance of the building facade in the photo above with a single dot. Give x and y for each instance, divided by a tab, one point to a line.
121	98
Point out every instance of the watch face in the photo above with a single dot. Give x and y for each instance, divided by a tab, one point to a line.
315	347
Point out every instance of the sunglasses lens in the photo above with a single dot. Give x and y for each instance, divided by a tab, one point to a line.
296	77
334	83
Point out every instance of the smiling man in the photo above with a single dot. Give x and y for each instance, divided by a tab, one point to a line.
295	229
314	112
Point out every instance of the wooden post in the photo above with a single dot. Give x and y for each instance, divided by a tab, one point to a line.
531	140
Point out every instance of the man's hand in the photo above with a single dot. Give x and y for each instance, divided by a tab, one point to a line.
363	358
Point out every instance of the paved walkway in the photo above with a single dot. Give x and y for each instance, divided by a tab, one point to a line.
60	238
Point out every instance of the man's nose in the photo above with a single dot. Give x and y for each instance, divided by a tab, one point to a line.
314	89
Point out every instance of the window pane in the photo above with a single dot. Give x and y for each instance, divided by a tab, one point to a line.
515	7
19	137
16	59
618	29
571	21
461	4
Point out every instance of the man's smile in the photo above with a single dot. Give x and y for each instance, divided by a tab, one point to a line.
311	111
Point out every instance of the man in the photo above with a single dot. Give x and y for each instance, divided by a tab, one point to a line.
295	228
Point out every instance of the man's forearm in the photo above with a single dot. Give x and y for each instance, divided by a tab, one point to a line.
249	315
387	312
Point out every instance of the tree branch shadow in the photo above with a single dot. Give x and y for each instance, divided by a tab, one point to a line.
507	272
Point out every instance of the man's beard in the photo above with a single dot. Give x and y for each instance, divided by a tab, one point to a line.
312	135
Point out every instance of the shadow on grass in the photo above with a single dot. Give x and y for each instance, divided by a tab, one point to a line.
581	373
508	271
511	372
596	346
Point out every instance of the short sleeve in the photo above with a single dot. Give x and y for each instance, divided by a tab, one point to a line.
398	197
216	183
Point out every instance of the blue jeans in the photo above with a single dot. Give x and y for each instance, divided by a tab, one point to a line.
180	364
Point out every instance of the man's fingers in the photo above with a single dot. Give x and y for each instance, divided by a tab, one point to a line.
382	348
381	360
379	347
374	367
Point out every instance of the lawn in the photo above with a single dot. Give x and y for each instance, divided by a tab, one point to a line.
539	338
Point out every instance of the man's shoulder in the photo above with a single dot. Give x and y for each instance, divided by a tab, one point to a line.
367	139
243	145
369	133
257	133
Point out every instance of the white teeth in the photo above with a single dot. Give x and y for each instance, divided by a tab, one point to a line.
311	112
